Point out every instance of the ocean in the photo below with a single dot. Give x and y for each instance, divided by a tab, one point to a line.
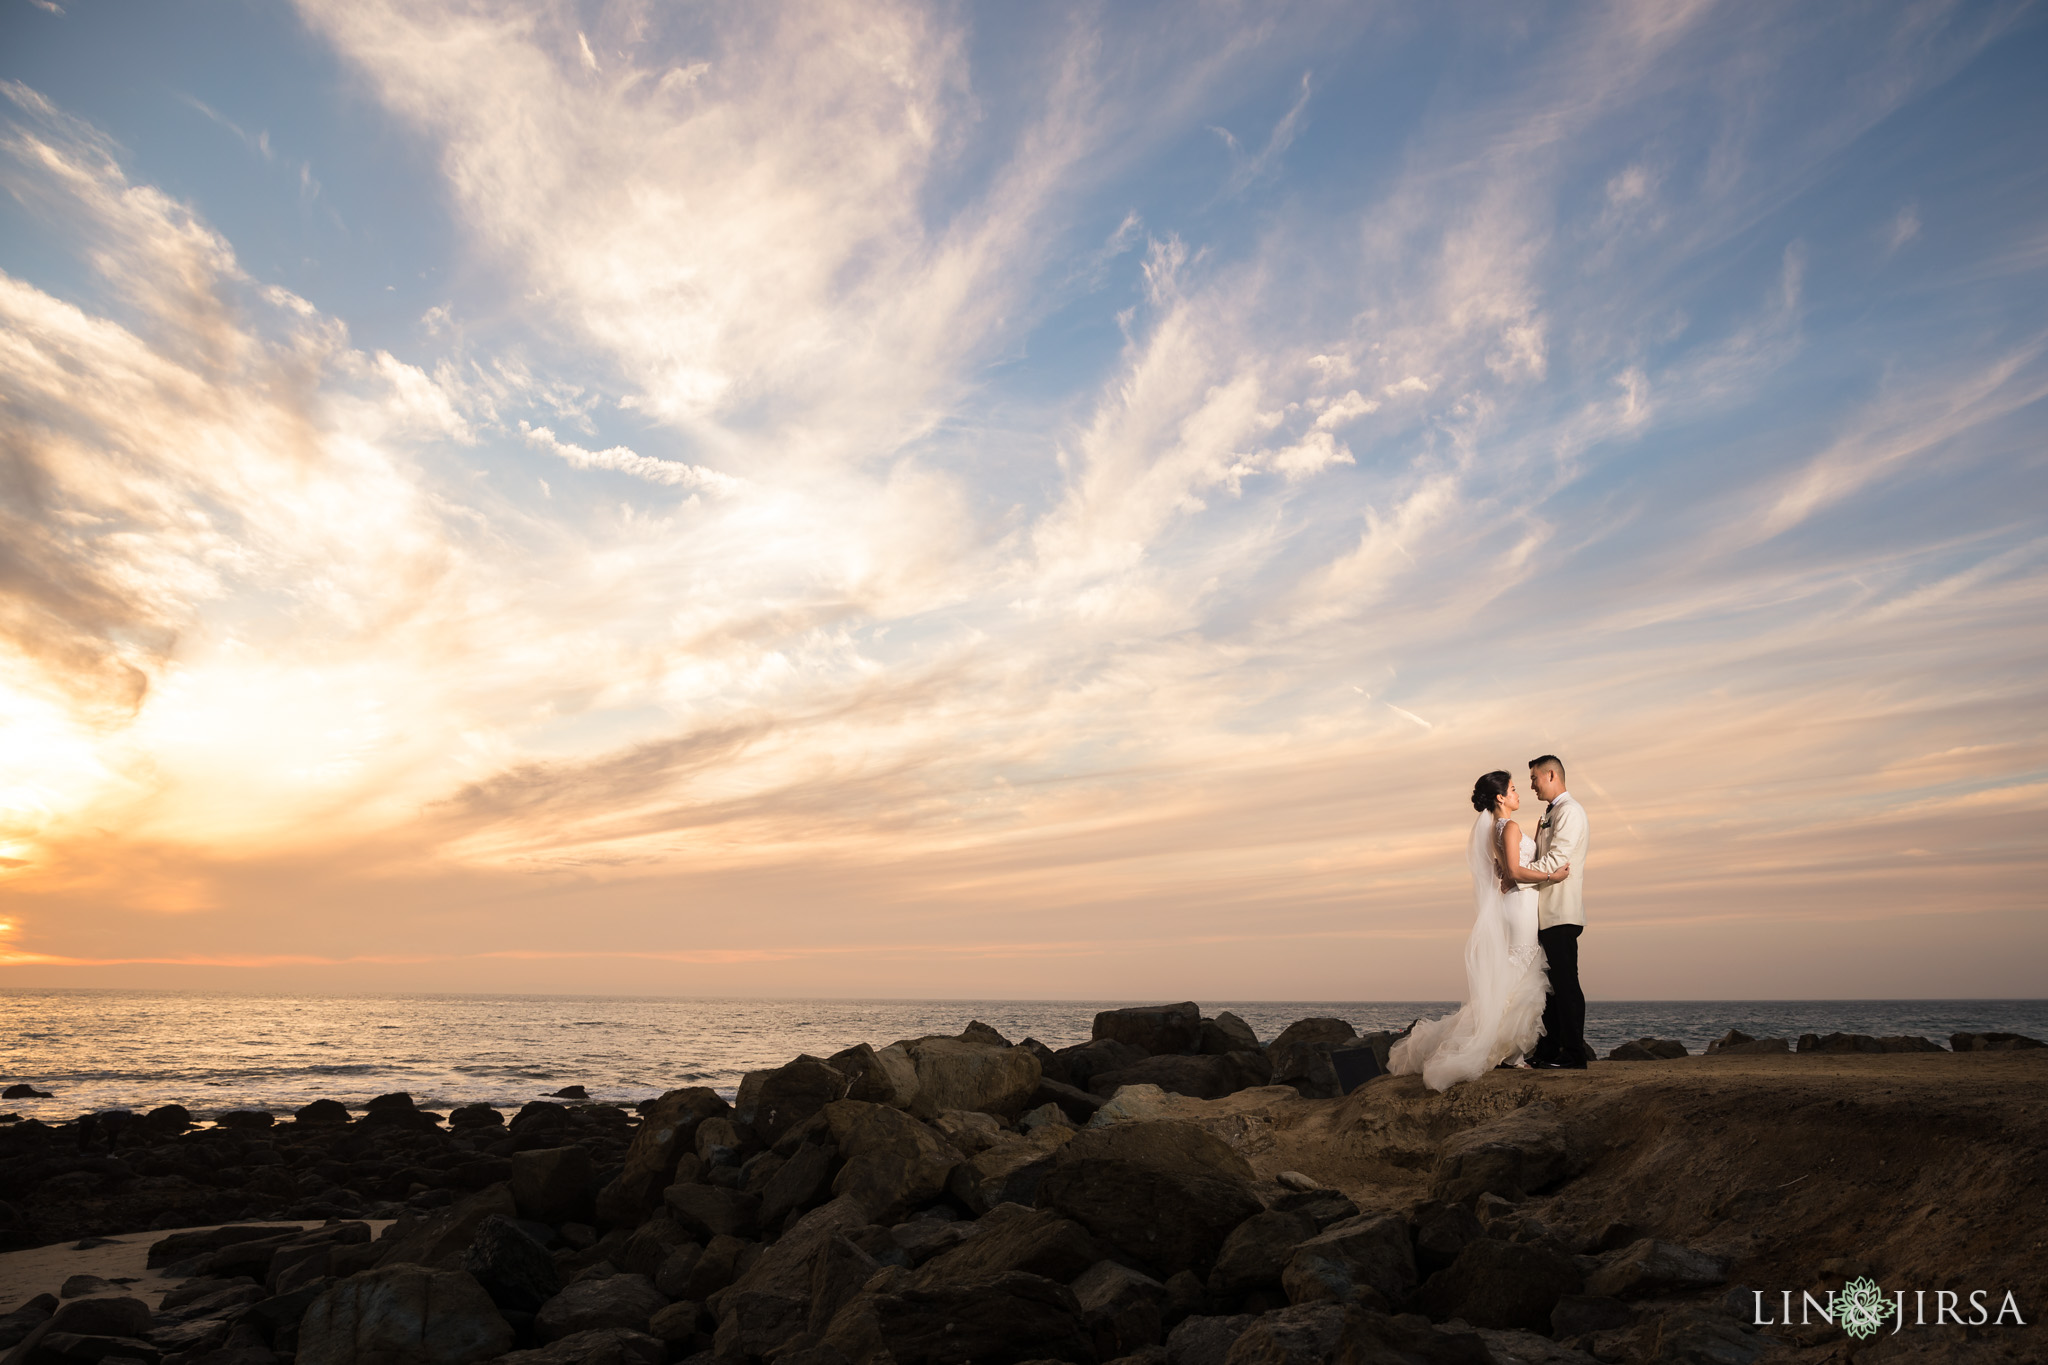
116	1049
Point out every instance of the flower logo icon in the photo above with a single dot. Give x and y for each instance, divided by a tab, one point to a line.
1861	1307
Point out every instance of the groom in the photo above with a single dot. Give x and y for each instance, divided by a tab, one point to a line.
1561	838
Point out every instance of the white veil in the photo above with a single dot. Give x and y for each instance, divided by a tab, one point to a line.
1459	1046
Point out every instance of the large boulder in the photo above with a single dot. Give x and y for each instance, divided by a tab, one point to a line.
1301	1056
1013	1237
1257	1251
513	1268
1125	1309
1003	1320
440	1238
1839	1043
800	1182
1368	1252
1206	1339
116	1317
805	1275
712	1210
1649	1050
1009	1169
1501	1284
1163	1194
602	1346
1736	1042
1204	1078
1317	1333
627	1301
1992	1042
1441	1230
1648	1267
1227	1033
668	1130
554	1184
1158	1030
403	1315
1081	1063
1514	1156
877	1075
773	1102
892	1163
1909	1042
952	1074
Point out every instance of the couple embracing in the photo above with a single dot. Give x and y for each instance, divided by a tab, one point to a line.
1523	1006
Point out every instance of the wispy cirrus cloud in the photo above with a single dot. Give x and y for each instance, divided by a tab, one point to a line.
1025	533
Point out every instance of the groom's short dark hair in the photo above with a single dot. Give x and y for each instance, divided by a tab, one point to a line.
1550	761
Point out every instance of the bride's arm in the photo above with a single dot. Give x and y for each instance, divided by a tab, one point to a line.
1511	859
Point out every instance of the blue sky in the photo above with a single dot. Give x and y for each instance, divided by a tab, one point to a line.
950	499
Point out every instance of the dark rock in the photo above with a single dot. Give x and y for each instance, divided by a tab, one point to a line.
184	1246
537	1120
122	1317
1164	1194
321	1113
677	1324
47	1344
1649	1268
1441	1230
892	1163
1322	1207
719	1142
1501	1284
1050	1067
1305	1334
1157	1030
1840	1043
1736	1041
440	1238
554	1184
171	1117
1009	1170
1577	1315
1124	1310
967	1129
1369	1252
956	1075
396	1108
1301	1056
1898	1042
627	1301
923	1238
1006	1320
722	1260
603	1346
1311	1334
513	1268
1012	1237
1084	1061
76	1286
668	1130
885	1076
1204	1078
799	1183
797	1284
1992	1042
1257	1252
1691	1336
987	1036
1513	1156
710	1211
475	1116
243	1118
773	1102
403	1315
648	1247
24	1091
1227	1033
570	1092
1078	1105
1203	1340
1651	1050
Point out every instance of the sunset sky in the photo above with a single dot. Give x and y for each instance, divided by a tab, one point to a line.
1018	500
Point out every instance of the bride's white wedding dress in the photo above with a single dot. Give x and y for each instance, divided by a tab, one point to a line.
1506	978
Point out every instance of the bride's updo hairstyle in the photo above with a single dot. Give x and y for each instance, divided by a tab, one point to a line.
1488	790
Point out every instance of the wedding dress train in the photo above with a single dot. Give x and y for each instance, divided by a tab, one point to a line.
1506	979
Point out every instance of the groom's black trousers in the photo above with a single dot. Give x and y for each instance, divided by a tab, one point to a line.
1564	1012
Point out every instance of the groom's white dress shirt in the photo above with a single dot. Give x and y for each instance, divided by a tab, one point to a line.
1562	837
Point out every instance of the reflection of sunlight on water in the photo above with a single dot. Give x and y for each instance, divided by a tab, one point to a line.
138	1049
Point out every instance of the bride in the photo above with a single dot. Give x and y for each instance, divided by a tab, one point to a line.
1506	977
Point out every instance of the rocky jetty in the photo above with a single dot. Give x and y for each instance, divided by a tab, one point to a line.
1172	1192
